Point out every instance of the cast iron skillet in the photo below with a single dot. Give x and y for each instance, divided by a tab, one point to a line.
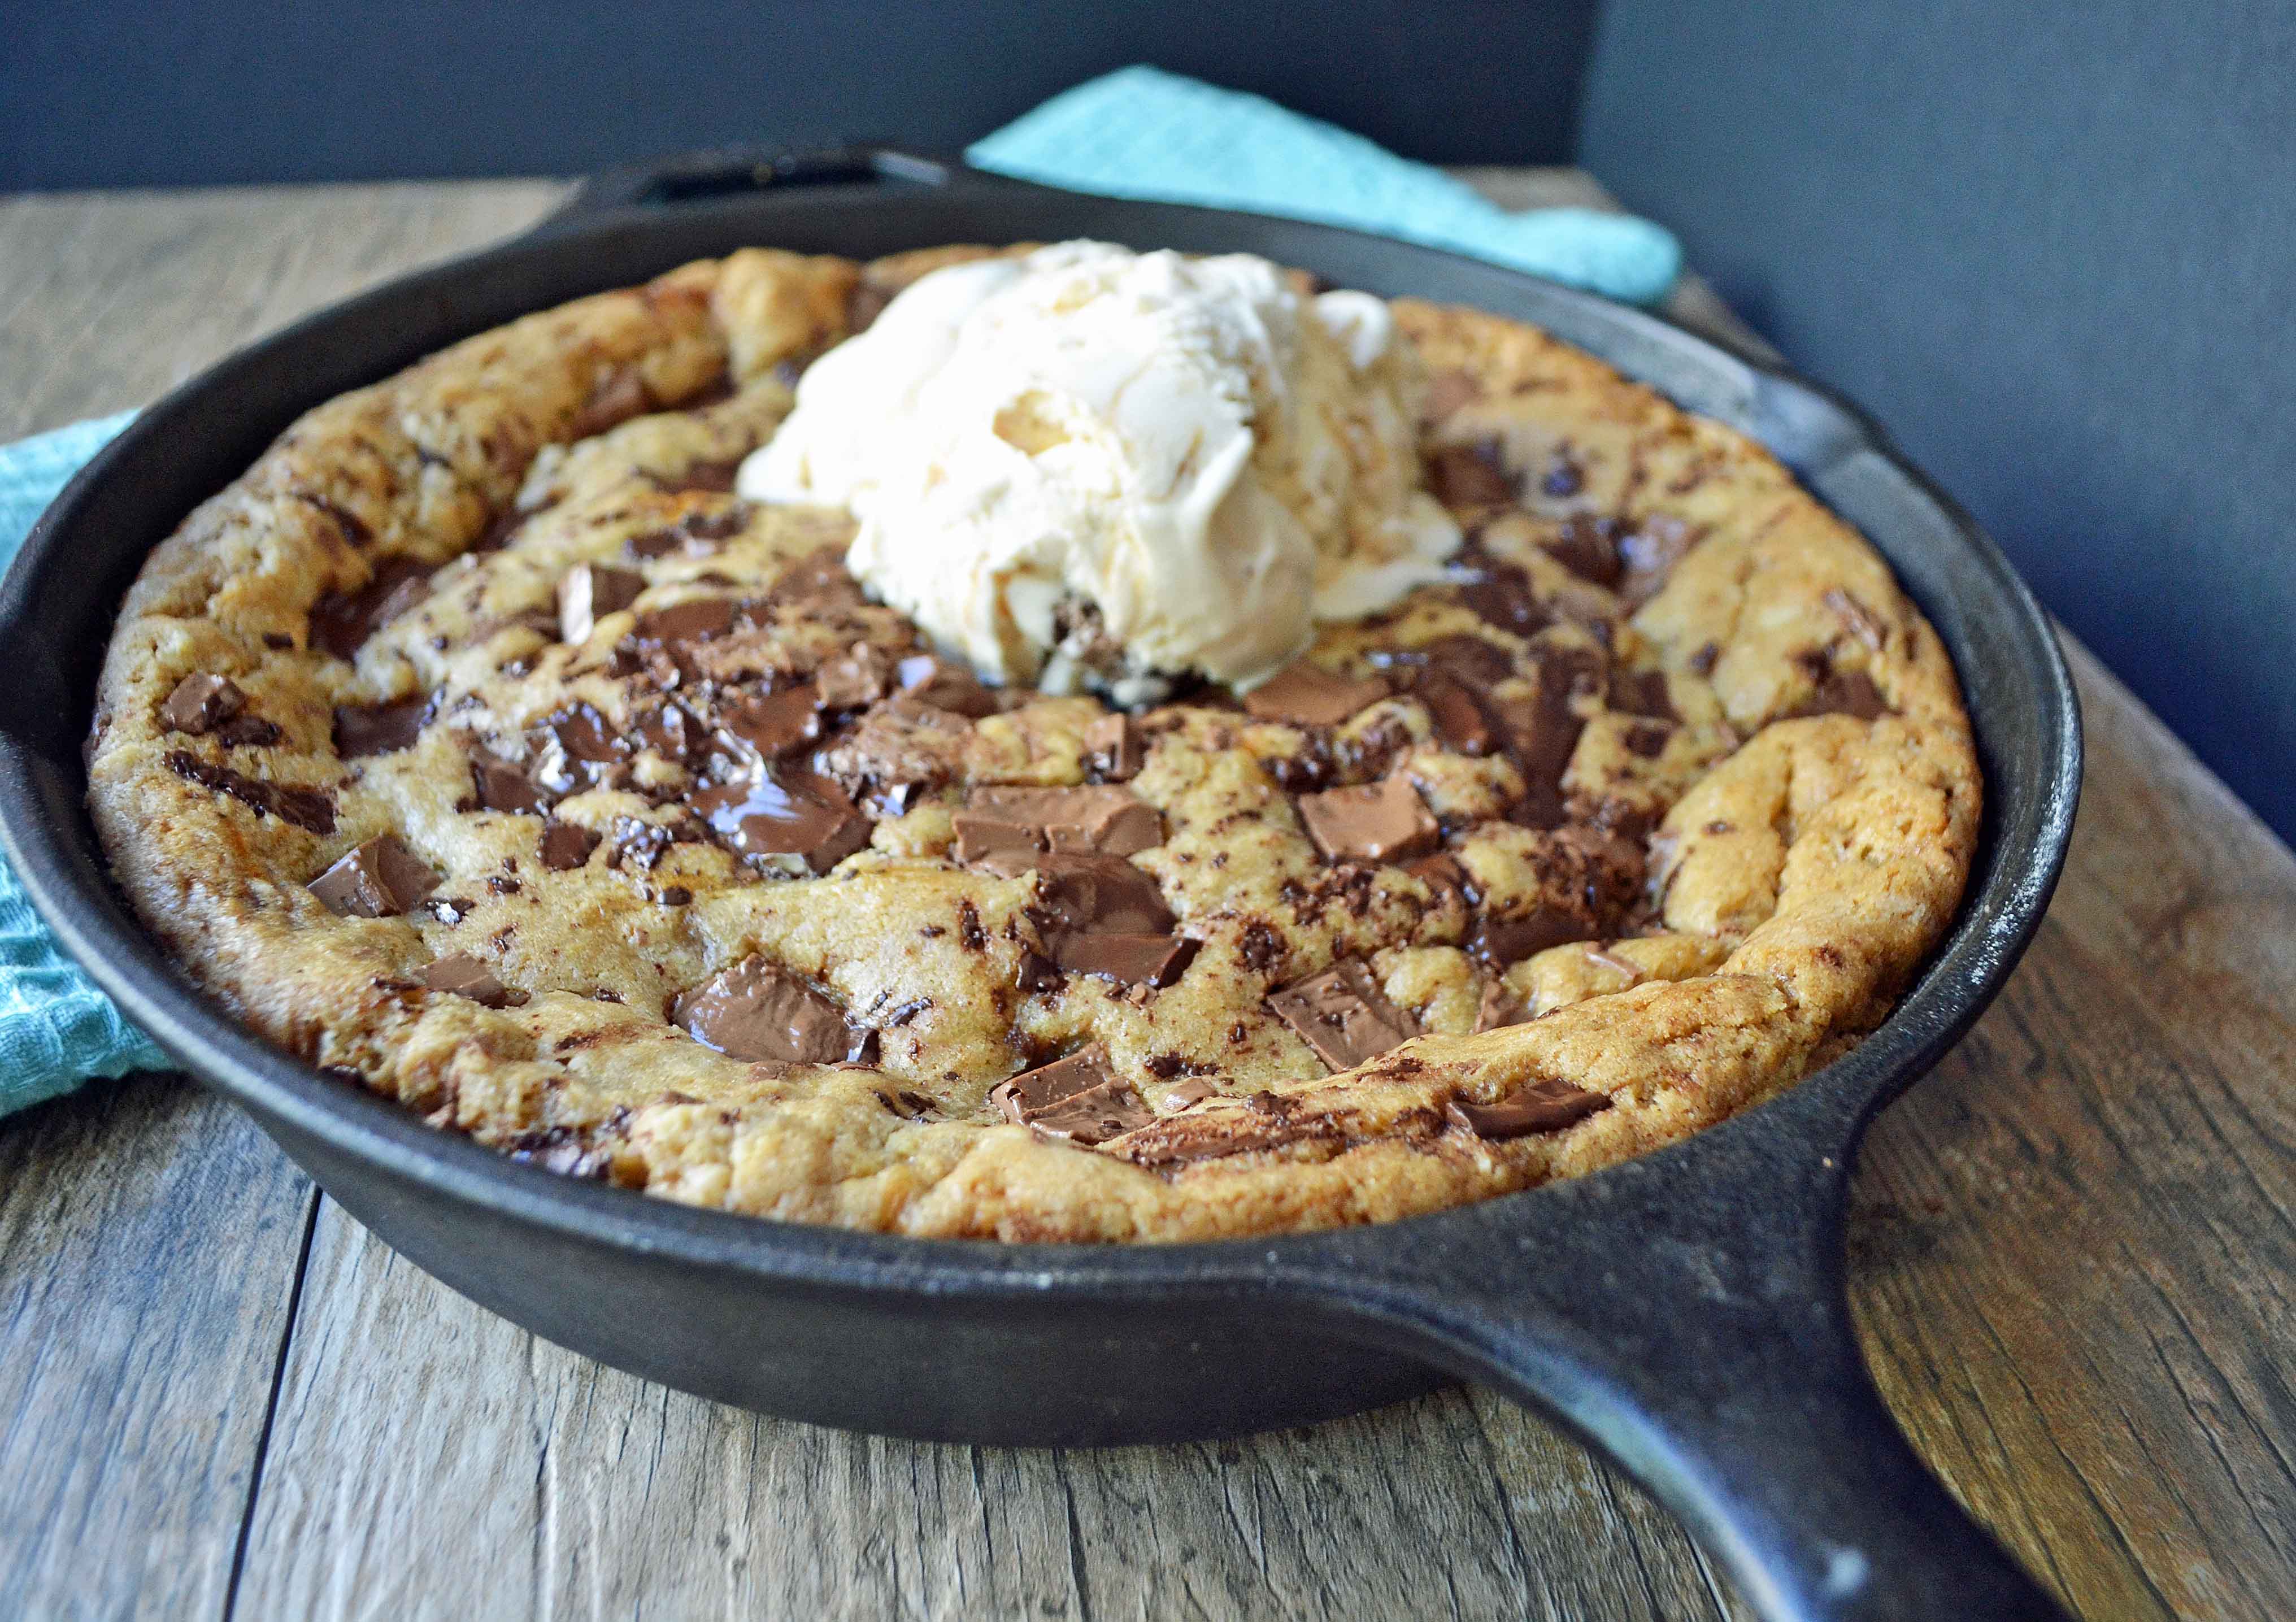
1684	1312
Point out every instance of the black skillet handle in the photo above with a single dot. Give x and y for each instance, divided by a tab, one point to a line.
1692	1320
732	171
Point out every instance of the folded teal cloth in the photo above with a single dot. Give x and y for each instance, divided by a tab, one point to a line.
1139	132
1135	133
56	1029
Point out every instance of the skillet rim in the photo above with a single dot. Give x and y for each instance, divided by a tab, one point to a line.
2015	874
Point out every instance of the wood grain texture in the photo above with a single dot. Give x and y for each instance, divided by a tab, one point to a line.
2071	1251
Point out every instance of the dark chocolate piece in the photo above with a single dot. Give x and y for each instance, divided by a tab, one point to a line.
1113	749
1104	893
379	729
1499	1007
1588	546
818	583
1500	593
1456	716
1307	694
945	685
502	785
899	751
757	1011
1472	661
714	476
341	622
1010	821
669	732
1503	940
1342	1014
1546	1105
1382	822
695	619
1076	1098
200	702
464	976
1642	693
1129	959
1441	872
589	591
1649	552
248	732
788	820
566	845
1020	1097
1469	475
1846	693
380	879
776	723
312	809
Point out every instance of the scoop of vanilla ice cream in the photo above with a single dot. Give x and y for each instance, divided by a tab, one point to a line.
1087	465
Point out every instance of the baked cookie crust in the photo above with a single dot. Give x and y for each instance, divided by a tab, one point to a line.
422	746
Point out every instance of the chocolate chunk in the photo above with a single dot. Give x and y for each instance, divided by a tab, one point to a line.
1456	716
1103	894
1503	940
668	731
572	750
1129	959
1109	820
379	729
1307	694
341	622
1498	1007
1471	661
1860	620
1543	728
900	749
1564	478
1642	693
502	785
715	476
1703	658
1846	693
1076	1098
380	879
566	845
1546	1105
695	619
1440	871
1649	552
775	724
200	702
617	395
589	591
757	1011
313	809
787	819
1448	391
1500	593
1471	475
1037	974
1342	1014
1194	1090
248	732
854	679
464	976
1588	546
819	583
1648	739
945	685
1113	749
1383	821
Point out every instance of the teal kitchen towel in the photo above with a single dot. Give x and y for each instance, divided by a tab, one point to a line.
56	1029
1143	132
1135	133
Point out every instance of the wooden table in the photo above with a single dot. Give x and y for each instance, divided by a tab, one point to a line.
2071	1253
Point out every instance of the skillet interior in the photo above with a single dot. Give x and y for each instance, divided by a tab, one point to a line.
1016	1344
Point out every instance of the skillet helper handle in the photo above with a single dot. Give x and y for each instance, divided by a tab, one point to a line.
731	171
1698	1332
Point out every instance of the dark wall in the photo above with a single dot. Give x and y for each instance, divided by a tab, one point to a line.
2053	248
174	93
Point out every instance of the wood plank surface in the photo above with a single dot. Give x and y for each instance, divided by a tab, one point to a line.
2071	1250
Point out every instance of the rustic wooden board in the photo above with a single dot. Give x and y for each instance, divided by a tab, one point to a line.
2070	1251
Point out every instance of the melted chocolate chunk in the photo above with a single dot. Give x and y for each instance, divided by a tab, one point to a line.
1383	821
379	729
501	785
1546	1105
669	732
1440	871
1471	475
572	750
341	622
1500	593
1503	940
695	619
566	846
787	820
589	591
945	685
854	679
1113	749
313	809
464	976
380	879
1588	546
1013	822
1642	693
200	702
1456	716
1307	694
772	725
1649	552
1098	893
1342	1014
759	1011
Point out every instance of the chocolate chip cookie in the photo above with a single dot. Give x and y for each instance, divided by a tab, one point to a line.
481	748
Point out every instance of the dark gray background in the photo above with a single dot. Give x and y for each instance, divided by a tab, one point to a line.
2051	246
